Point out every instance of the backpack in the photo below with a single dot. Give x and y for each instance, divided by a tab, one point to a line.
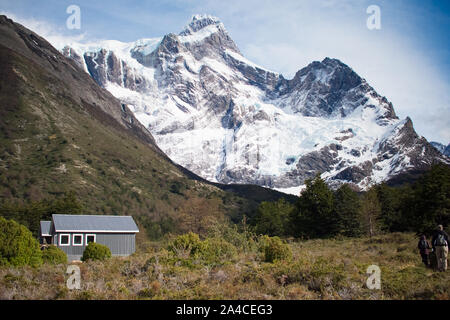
440	240
423	245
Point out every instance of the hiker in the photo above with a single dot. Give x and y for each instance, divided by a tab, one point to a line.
440	246
424	247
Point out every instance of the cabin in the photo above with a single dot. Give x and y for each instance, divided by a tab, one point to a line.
72	233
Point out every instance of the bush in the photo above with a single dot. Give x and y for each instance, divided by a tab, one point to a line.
54	255
275	249
96	251
214	250
188	244
17	245
218	250
244	240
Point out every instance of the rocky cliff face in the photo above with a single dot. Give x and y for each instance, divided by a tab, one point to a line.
83	91
229	120
331	89
445	150
60	131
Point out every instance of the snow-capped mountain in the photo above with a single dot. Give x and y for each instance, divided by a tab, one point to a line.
231	121
445	150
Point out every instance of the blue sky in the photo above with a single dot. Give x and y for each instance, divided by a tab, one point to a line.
407	60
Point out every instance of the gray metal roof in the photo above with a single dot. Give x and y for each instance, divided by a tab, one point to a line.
45	228
93	223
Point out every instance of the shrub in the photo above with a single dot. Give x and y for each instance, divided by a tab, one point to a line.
188	244
275	249
245	240
54	255
217	250
326	272
96	251
210	251
17	245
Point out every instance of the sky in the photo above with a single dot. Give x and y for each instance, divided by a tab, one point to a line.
407	59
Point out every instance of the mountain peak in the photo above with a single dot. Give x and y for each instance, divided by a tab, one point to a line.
210	29
213	103
205	17
329	71
199	22
333	62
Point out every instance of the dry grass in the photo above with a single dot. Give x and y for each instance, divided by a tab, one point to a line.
320	269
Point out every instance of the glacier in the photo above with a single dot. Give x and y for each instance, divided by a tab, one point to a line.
229	120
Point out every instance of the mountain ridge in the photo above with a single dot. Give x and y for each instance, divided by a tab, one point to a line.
231	121
445	150
61	132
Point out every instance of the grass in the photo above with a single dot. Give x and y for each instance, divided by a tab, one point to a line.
319	269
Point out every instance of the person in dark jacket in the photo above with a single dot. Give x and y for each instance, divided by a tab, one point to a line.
440	246
424	248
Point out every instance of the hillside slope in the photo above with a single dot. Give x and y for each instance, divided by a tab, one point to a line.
60	131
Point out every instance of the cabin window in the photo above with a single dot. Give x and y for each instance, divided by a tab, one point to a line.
90	238
77	240
64	239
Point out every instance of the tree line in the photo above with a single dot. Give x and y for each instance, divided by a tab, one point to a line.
322	213
318	213
31	213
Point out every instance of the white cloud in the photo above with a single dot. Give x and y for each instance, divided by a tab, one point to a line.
57	36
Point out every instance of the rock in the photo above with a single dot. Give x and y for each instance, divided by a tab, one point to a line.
231	121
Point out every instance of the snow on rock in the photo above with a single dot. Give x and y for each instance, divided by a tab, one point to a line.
228	120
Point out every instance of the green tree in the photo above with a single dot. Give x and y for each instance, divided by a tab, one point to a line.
313	215
31	213
371	211
272	218
432	200
17	245
391	200
68	204
347	208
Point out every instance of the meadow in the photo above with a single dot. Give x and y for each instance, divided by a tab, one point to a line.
235	267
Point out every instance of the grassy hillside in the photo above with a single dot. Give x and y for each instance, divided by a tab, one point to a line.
320	269
49	145
61	132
